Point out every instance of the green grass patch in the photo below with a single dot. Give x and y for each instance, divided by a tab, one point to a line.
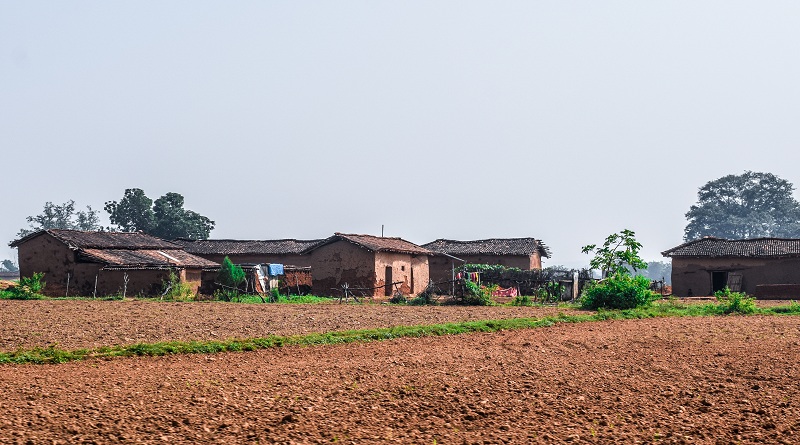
656	310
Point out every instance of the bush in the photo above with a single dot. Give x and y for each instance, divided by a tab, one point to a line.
476	295
619	291
522	300
230	276
28	288
735	302
175	289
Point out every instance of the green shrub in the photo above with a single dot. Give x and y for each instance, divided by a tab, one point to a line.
735	302
230	277
476	295
619	291
28	288
175	289
522	300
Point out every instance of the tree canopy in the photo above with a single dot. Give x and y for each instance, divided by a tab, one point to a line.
618	255
62	216
164	218
9	266
749	205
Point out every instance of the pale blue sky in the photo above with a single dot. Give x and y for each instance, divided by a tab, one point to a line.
561	120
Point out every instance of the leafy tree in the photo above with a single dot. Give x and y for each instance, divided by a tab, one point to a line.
619	251
132	213
9	266
164	218
743	206
62	216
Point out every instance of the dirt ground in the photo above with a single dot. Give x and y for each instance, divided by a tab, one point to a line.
70	324
690	380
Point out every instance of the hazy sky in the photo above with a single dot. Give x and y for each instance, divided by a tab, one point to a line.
560	120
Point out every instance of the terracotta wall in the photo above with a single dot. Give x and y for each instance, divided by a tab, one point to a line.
695	273
441	267
411	271
341	262
45	254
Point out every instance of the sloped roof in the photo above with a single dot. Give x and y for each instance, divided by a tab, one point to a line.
102	240
375	244
123	250
145	258
245	247
492	246
751	248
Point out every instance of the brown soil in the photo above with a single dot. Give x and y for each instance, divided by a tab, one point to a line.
690	380
70	324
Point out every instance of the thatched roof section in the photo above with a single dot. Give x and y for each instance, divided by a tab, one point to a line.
245	247
712	247
375	244
492	246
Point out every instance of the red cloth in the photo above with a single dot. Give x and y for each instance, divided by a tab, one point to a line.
500	292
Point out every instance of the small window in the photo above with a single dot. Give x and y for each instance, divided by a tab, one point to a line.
403	268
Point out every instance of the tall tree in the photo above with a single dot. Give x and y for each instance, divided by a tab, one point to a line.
164	218
62	216
132	213
749	205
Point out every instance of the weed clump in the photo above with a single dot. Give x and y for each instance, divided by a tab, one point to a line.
735	302
28	288
619	291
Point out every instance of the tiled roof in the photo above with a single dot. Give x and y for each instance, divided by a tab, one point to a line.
145	258
123	250
375	244
245	247
720	247
493	246
103	240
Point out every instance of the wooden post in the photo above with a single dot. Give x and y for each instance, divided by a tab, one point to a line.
94	294
575	286
124	284
66	294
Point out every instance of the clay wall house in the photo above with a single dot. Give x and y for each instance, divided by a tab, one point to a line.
368	262
764	267
79	259
522	253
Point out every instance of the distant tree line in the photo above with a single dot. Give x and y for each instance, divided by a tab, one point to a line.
165	217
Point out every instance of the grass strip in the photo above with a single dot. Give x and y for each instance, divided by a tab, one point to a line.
669	309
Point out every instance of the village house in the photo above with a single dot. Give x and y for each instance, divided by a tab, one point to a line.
298	274
764	267
375	266
521	253
99	263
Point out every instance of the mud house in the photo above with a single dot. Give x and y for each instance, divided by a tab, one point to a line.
369	263
764	267
522	253
84	263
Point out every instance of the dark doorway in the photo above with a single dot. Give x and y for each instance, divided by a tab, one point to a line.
719	280
388	281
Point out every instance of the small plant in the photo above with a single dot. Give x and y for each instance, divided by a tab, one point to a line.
735	302
28	288
398	298
175	289
476	295
522	300
230	277
619	291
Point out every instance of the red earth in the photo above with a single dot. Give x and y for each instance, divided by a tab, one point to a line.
678	380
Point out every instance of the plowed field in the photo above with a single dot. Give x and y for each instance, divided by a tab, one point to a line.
687	380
